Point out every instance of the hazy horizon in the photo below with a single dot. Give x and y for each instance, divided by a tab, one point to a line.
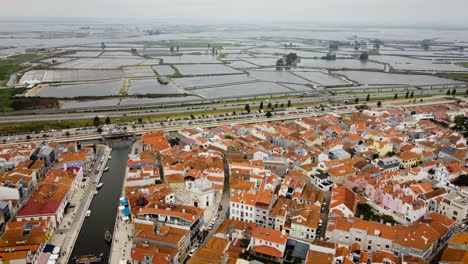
420	13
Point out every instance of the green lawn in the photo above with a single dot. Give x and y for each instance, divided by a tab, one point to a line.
13	64
463	64
455	76
6	98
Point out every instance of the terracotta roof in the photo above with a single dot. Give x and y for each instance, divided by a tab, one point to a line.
266	250
271	235
454	256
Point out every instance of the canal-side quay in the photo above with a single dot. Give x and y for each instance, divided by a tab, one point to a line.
123	231
103	207
68	230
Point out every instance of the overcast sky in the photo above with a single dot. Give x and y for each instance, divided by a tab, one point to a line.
400	12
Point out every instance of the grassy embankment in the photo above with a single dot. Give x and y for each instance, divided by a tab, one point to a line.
455	76
6	98
13	64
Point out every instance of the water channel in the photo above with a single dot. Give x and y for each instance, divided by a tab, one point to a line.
104	206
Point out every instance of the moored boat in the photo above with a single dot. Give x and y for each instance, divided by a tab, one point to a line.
88	258
107	236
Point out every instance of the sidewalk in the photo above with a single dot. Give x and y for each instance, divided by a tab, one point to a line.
122	241
67	232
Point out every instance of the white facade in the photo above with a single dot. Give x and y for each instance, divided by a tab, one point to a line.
201	192
455	206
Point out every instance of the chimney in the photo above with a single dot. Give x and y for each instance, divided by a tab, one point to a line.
155	206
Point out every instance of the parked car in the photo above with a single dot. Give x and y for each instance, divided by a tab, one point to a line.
220	207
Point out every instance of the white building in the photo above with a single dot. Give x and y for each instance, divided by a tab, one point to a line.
268	242
201	192
242	206
455	205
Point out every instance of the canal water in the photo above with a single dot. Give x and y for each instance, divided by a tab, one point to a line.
104	206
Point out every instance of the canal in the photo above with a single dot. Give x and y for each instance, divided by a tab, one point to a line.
104	206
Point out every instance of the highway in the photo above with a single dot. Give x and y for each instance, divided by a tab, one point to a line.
89	133
228	106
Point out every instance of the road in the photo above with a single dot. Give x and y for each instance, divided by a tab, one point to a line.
118	112
90	133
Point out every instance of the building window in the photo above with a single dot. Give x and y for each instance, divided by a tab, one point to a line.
368	247
387	246
455	213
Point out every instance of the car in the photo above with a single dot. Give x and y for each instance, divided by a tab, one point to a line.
210	227
192	252
220	208
196	246
463	226
320	223
213	222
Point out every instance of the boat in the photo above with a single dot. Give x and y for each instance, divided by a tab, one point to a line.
107	236
110	157
89	258
100	185
95	192
106	168
88	213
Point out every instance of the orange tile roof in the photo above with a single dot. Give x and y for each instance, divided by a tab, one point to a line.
270	235
269	251
249	198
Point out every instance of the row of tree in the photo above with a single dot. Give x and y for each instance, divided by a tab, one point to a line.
269	106
97	121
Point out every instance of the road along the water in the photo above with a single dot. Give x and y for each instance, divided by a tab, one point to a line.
104	206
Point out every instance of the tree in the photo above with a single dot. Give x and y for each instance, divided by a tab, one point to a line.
28	137
192	117
268	114
448	92
407	95
454	91
356	100
140	120
67	133
282	105
108	120
99	130
379	104
395	97
466	92
412	94
279	64
276	105
364	56
247	108
459	120
270	105
289	102
96	121
368	97
291	59
261	105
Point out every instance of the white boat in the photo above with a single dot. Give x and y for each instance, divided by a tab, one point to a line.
88	213
95	192
100	185
110	157
106	168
